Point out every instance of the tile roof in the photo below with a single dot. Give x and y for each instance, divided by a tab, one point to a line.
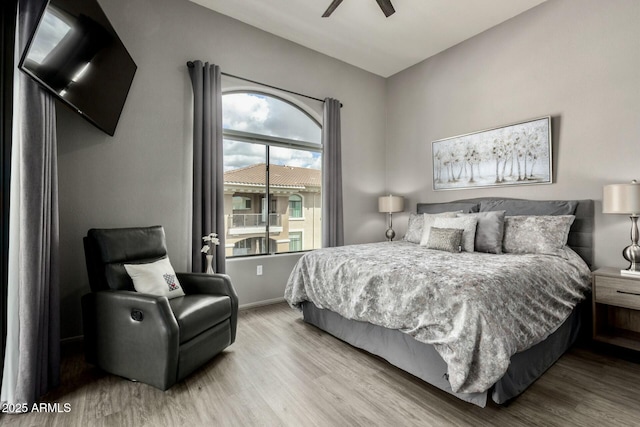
284	176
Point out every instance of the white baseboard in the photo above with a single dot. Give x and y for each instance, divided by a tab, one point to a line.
261	303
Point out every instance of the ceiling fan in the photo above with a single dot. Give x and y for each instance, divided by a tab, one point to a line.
385	5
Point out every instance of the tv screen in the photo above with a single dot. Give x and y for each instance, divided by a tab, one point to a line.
76	54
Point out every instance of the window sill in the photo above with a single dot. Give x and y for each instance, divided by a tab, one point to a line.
258	256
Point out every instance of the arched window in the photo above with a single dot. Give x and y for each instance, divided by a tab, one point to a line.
271	147
295	206
267	115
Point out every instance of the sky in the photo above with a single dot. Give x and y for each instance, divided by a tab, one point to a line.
267	116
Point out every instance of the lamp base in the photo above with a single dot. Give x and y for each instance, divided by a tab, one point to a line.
390	234
632	254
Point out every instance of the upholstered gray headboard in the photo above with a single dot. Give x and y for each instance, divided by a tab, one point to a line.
580	235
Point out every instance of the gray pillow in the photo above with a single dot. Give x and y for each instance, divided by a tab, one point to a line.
539	234
415	228
489	231
530	207
445	239
434	208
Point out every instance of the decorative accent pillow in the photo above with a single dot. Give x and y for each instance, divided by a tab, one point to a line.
415	228
489	231
541	234
155	278
467	224
445	239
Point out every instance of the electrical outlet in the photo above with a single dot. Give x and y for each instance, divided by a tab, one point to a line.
259	270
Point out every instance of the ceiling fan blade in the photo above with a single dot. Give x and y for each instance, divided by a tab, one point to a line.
387	7
331	8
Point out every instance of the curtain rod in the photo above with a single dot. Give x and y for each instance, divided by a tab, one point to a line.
190	64
274	87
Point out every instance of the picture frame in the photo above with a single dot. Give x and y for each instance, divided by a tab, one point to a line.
515	154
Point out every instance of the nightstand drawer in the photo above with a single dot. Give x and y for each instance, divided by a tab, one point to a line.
618	292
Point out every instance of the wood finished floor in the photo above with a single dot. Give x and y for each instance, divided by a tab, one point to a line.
281	371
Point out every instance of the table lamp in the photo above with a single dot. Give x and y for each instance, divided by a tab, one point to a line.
389	204
625	199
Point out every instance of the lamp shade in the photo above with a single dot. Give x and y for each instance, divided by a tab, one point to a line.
390	204
621	198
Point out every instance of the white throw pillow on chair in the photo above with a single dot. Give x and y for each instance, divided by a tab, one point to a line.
155	278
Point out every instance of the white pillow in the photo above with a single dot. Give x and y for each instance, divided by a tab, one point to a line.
155	278
467	224
422	222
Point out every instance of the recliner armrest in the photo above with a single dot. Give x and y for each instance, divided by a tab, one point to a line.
134	335
212	284
203	283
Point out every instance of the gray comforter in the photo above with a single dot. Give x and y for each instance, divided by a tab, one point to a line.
476	309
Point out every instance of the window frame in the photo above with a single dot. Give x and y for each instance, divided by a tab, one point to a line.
271	141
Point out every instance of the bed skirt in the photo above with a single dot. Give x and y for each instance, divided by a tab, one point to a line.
424	362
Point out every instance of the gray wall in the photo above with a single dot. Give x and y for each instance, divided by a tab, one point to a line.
142	175
576	60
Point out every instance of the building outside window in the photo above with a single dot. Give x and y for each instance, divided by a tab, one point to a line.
295	241
241	203
272	163
295	206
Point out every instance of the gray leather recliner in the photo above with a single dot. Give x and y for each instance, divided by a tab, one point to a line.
149	338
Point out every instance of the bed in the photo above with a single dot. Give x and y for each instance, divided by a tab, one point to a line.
474	324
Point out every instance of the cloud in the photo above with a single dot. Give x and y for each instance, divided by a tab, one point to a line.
242	154
267	116
242	111
298	158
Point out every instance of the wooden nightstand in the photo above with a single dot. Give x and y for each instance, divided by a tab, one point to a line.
616	308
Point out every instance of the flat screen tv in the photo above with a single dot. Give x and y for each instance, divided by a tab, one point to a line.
76	54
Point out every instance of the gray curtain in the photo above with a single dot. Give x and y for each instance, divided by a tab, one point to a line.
208	176
332	222
32	356
7	52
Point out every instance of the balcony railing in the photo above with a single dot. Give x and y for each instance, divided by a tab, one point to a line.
258	220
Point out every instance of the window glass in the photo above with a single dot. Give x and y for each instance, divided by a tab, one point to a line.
244	192
295	241
295	206
268	115
241	203
270	179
